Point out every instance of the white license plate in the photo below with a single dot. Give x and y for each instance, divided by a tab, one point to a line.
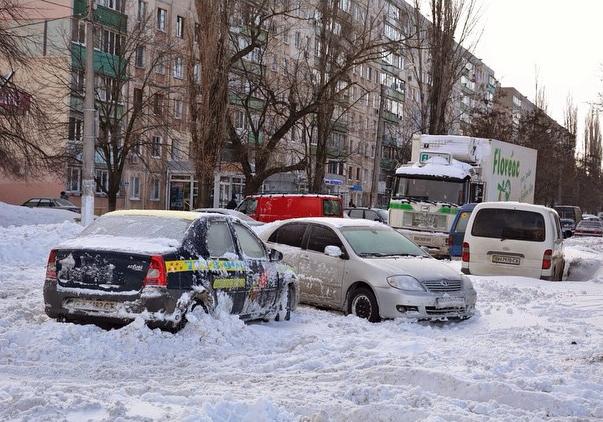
91	305
503	259
450	302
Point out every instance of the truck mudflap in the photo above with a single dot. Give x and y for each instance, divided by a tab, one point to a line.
436	243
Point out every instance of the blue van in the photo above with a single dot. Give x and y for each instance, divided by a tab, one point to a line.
457	230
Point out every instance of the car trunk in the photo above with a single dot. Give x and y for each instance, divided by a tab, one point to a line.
101	270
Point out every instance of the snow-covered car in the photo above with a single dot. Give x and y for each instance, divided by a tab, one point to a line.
589	227
244	217
159	265
368	269
54	203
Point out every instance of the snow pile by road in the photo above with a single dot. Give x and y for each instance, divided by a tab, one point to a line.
16	215
584	258
533	351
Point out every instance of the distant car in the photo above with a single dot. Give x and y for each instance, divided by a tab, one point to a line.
590	217
513	239
457	230
373	214
225	211
272	207
159	265
567	226
589	227
569	211
56	203
368	269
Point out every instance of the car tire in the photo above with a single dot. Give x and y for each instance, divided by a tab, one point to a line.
289	306
363	304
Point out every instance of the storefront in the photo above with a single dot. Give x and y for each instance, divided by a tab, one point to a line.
182	192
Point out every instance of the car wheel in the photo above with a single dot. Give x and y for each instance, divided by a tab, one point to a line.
289	306
363	304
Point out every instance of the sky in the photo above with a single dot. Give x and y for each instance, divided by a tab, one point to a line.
560	40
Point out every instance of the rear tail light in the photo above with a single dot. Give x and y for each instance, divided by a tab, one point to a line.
51	267
466	254
547	259
156	274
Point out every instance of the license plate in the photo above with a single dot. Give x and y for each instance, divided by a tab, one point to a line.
91	305
503	259
450	302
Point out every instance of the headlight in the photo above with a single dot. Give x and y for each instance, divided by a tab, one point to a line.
404	282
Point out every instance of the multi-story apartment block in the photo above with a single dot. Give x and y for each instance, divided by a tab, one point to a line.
372	122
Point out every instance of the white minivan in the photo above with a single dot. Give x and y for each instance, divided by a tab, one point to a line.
512	238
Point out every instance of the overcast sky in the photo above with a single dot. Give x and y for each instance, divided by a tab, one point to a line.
562	39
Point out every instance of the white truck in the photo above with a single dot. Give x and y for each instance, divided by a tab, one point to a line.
446	172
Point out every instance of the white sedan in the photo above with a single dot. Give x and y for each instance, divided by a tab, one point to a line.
368	269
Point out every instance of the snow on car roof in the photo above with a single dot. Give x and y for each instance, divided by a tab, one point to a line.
301	195
185	215
513	205
337	222
437	166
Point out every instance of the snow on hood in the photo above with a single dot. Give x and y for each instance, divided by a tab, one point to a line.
438	166
423	269
157	245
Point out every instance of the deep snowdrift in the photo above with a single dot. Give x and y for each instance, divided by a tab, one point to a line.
533	351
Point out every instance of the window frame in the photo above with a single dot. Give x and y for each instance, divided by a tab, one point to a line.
161	21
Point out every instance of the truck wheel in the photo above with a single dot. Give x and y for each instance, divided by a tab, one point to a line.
363	304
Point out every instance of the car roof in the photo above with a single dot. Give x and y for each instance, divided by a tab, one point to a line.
514	206
335	222
186	215
296	195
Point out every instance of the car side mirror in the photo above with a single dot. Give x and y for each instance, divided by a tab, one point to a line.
275	256
334	251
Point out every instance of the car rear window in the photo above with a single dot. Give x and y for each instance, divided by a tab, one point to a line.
331	208
590	224
139	226
509	224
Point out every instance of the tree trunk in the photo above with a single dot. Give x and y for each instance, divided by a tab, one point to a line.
112	200
205	193
253	185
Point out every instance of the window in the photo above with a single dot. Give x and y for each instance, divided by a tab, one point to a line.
142	10
357	173
75	129
356	213
110	42
158	104
102	180
289	234
156	147
297	39
350	173
331	208
178	108
137	99
78	81
78	34
73	179
251	246
112	4
134	154
161	19
321	237
179	26
155	189
178	68
516	101
509	224
139	59
219	239
286	36
160	66
197	72
371	215
176	151
135	187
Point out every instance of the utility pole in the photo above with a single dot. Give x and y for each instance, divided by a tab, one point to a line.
88	185
377	159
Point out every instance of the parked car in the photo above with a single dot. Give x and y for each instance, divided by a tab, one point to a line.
373	214
159	265
512	238
590	217
567	227
269	208
56	203
569	211
589	227
225	211
368	269
457	230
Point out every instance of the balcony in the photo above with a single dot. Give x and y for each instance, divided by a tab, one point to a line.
104	63
102	15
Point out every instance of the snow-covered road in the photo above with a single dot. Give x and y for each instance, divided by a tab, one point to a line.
533	351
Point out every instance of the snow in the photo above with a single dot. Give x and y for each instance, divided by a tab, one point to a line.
16	215
157	245
439	167
533	351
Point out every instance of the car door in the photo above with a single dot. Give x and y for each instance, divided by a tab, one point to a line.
226	271
321	275
262	277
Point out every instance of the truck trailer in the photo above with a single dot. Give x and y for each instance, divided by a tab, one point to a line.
446	172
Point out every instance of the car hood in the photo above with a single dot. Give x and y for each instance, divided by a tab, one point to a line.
423	269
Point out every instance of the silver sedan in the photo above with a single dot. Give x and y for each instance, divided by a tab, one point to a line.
368	269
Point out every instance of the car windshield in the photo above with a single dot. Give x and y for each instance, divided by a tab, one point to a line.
64	202
497	223
430	190
379	242
138	226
